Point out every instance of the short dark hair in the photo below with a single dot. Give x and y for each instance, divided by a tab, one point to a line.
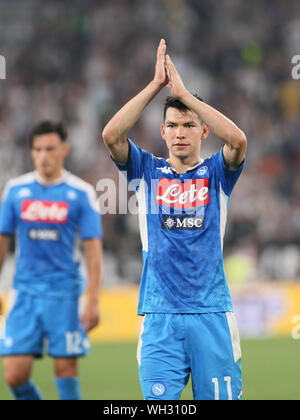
175	103
47	127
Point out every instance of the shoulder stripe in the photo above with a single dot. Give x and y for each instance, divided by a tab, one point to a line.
143	223
25	179
223	213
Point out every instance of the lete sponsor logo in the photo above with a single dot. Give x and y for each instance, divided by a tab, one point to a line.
44	211
186	195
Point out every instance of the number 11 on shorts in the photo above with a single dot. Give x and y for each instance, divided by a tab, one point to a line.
227	379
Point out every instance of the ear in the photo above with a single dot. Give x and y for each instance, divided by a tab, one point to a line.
205	131
162	132
67	148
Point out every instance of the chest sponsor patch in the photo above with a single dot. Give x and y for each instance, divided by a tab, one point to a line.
182	222
44	211
183	195
44	235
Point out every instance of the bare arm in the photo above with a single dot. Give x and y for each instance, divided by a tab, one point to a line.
223	127
93	258
115	132
4	246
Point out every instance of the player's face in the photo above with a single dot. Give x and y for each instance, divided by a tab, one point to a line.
183	132
48	153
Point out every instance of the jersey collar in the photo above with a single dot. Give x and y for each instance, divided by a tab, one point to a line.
192	168
58	181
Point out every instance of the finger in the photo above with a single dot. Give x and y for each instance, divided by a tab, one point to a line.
92	324
167	70
84	321
170	64
170	70
84	325
161	51
161	42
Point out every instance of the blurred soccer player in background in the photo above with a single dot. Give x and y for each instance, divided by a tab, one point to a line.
189	326
47	209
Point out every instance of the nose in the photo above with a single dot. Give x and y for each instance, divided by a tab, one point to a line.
180	133
43	155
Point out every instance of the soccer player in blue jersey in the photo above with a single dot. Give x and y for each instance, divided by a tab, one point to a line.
189	326
47	210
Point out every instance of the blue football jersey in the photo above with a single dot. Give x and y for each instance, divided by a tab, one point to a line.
47	220
182	221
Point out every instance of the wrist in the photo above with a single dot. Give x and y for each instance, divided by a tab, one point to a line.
183	96
156	85
92	298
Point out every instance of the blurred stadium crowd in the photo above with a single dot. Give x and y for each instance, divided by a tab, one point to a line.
80	60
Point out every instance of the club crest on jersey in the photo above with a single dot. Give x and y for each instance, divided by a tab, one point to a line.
183	195
202	170
44	211
158	389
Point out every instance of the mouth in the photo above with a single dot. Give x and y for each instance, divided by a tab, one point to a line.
44	165
181	145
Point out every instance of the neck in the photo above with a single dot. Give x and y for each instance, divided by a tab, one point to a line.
46	179
182	165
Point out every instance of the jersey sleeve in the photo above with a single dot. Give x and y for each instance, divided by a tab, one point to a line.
90	220
7	213
133	169
227	176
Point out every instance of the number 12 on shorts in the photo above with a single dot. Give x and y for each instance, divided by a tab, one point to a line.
73	342
227	379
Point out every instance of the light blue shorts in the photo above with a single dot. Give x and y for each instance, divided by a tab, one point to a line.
174	346
33	322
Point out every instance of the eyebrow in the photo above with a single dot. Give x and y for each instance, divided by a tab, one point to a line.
185	123
43	147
